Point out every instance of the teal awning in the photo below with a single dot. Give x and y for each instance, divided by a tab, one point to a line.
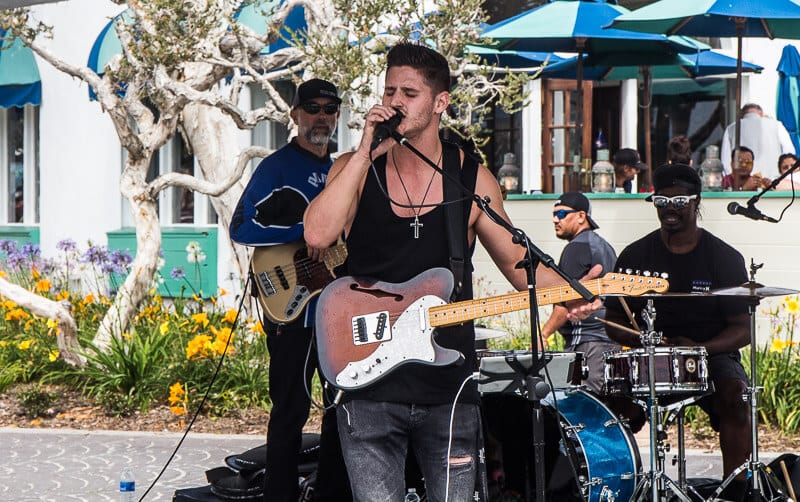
20	83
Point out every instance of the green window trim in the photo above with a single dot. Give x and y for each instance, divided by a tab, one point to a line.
20	234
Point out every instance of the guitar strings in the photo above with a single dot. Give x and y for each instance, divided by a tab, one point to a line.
291	269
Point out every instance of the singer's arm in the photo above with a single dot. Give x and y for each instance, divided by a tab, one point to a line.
333	210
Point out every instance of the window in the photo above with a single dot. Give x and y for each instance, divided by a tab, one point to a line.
19	161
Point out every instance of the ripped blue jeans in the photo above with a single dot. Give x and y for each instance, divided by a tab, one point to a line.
376	436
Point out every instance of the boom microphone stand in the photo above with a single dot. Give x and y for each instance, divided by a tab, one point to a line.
537	388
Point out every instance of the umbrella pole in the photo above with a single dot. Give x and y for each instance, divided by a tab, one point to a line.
575	178
738	127
648	144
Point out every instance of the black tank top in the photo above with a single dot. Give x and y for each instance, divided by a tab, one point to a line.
381	245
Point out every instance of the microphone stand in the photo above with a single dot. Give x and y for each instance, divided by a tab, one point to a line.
537	388
773	184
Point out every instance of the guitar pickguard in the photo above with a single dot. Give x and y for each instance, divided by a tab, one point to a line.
408	340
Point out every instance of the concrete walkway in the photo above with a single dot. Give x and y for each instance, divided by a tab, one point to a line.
69	465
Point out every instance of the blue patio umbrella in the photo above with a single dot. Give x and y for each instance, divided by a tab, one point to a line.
674	66
513	59
20	84
717	18
577	26
788	108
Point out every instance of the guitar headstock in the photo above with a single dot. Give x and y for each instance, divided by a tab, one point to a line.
632	285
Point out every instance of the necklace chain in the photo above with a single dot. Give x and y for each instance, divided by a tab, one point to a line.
416	224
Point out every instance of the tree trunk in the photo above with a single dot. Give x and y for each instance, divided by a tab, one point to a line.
144	266
214	139
68	345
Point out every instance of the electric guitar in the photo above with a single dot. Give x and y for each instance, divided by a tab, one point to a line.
367	328
287	278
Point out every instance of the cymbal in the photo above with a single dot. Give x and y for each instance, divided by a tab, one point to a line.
754	289
676	294
487	333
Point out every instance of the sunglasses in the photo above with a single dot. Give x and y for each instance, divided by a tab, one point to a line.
562	213
315	108
678	201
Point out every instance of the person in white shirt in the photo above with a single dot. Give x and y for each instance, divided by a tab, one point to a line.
767	137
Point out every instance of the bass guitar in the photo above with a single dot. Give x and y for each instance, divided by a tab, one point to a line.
367	328
286	278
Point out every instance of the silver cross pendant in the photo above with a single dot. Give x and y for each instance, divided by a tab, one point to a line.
417	225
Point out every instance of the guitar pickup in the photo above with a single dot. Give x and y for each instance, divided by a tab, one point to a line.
265	284
371	328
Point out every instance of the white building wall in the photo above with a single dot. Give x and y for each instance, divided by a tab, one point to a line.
80	159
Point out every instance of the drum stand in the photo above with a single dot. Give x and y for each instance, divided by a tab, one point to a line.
655	482
763	485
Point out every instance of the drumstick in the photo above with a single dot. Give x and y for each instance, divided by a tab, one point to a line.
629	313
619	326
788	481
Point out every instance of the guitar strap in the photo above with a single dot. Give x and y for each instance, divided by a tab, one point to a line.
457	210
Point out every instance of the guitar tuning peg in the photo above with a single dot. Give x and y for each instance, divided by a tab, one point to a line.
664	275
646	273
628	271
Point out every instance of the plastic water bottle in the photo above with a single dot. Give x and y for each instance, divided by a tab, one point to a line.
127	485
411	495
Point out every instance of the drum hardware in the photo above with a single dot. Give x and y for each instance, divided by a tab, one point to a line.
655	482
759	477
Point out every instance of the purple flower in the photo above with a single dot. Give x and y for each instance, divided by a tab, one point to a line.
67	245
177	273
30	250
8	246
121	260
96	255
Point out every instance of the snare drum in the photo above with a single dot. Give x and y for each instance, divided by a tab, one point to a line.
503	371
678	370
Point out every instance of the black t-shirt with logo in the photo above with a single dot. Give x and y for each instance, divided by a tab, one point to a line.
711	265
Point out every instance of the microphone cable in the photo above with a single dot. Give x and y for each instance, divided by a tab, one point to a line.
205	395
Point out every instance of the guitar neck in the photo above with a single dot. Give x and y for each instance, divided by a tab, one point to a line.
459	312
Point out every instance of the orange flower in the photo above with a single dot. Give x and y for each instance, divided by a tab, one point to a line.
43	285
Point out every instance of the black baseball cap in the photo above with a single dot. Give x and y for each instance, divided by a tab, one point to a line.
579	202
315	88
681	175
629	157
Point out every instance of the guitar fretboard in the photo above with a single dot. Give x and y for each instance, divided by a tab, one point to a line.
459	312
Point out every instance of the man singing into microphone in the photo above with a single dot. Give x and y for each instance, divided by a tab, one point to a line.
396	227
695	261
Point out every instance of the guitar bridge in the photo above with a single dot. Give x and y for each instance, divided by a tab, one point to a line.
371	328
265	284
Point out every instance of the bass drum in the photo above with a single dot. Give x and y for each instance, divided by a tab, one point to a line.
589	454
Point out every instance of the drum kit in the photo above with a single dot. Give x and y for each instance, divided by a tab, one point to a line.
597	448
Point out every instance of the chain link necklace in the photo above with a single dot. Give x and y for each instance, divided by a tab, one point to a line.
416	224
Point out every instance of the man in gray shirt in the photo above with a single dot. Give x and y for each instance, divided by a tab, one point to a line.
572	218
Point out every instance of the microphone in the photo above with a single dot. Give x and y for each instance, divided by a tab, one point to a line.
749	212
385	129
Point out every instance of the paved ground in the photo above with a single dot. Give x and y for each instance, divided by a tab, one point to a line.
65	465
